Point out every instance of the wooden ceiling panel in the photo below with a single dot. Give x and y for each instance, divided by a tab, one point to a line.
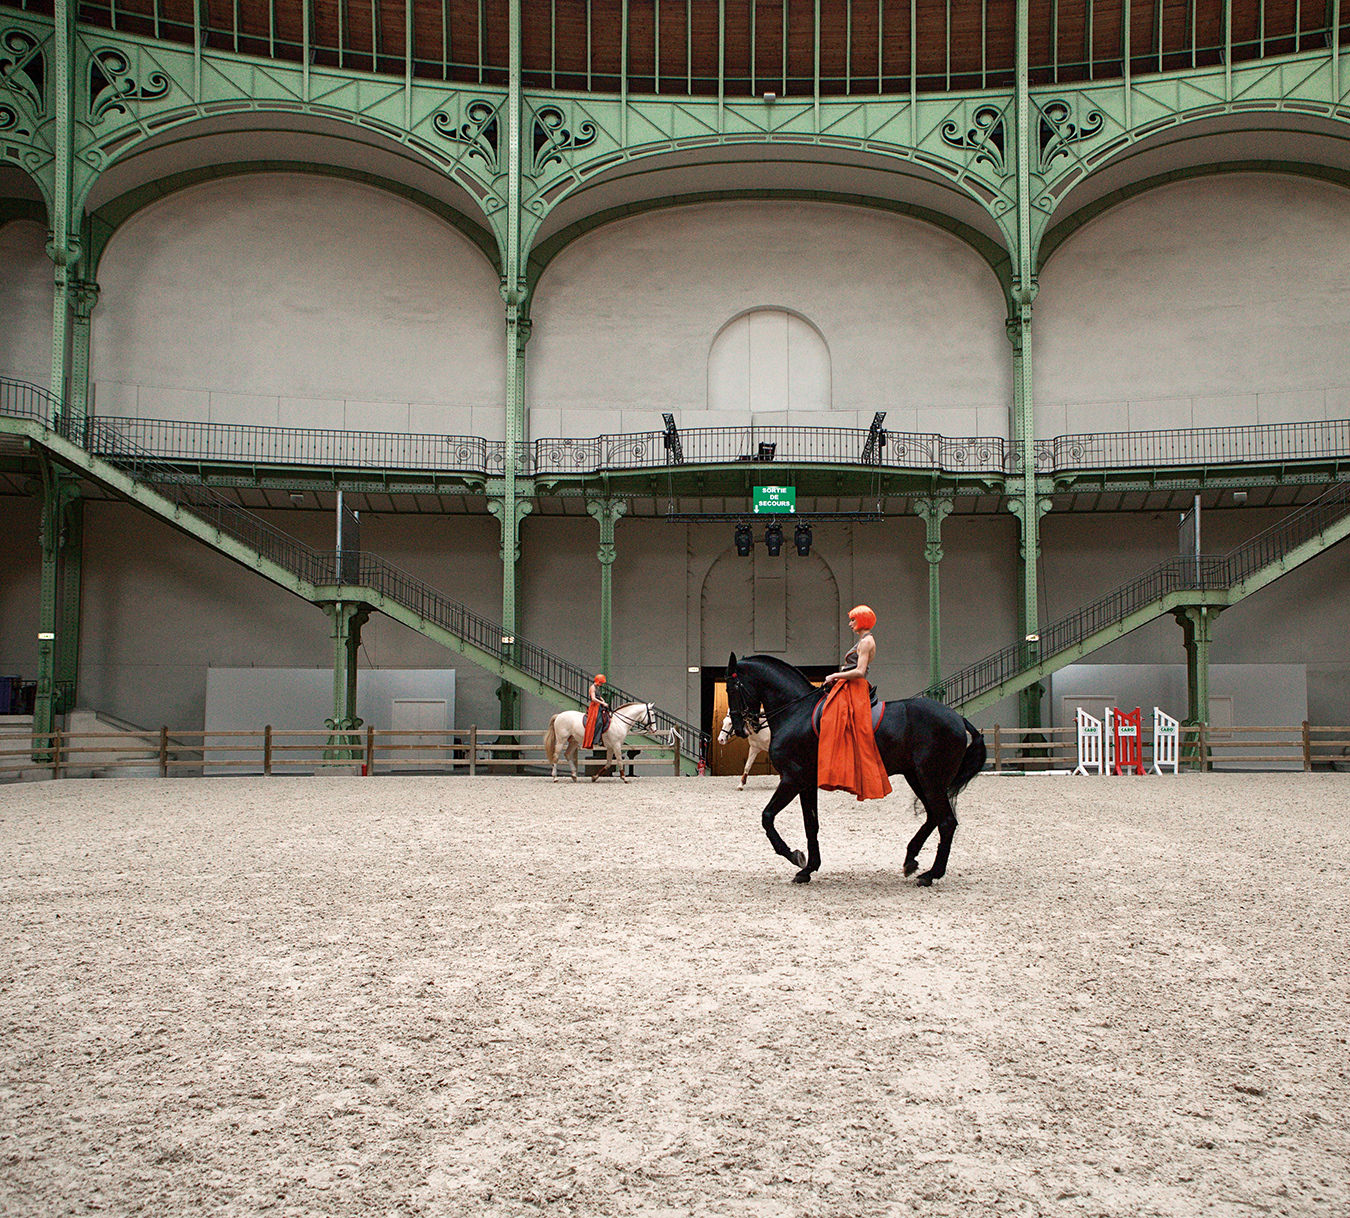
677	46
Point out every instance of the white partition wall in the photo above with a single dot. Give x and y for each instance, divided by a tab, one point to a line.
247	699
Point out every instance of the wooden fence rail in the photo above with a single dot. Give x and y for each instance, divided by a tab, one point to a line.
272	750
473	750
1026	749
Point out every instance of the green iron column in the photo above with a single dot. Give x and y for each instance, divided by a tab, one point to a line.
83	298
71	594
1026	506
1197	624
64	247
508	507
347	618
933	512
49	544
510	510
607	512
58	616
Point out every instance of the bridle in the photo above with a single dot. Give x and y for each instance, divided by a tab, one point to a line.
648	718
739	713
750	722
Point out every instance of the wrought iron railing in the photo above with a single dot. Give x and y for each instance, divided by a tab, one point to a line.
21	400
1199	446
837	446
543	665
111	442
780	445
1187	573
303	446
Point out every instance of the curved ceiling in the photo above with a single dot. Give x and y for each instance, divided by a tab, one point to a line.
678	47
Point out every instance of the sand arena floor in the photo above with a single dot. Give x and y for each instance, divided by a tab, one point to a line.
389	996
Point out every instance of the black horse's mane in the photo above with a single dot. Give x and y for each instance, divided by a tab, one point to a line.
784	668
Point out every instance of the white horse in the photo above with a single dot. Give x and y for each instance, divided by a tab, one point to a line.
758	740
567	731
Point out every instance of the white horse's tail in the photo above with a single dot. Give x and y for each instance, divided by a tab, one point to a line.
551	741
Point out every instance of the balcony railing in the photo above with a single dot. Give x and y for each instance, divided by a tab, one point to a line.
297	446
1267	442
845	447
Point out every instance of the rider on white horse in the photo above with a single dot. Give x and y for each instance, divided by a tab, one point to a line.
567	732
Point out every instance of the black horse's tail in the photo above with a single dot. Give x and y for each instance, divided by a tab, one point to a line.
972	763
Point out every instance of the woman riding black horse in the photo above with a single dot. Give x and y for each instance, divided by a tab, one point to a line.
931	746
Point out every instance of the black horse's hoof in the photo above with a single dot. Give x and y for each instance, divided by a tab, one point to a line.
798	858
911	866
802	877
925	880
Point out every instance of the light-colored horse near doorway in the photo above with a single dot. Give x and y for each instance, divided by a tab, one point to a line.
758	741
567	730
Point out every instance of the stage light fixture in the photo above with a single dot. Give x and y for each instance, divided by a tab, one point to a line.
744	540
767	448
773	538
802	536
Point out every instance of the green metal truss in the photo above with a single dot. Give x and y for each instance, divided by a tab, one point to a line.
346	603
77	100
1176	603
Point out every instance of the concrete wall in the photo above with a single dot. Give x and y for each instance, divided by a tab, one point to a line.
1219	300
625	319
26	291
159	610
303	301
1203	303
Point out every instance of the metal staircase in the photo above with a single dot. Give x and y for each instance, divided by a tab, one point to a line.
99	450
1217	580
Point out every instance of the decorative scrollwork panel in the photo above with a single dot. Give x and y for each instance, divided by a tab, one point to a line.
23	68
114	85
984	133
1059	127
477	128
554	135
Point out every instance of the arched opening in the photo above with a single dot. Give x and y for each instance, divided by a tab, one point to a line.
769	360
786	606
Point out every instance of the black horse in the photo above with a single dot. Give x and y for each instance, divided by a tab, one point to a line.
934	749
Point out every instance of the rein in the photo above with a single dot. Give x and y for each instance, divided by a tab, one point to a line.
648	717
778	710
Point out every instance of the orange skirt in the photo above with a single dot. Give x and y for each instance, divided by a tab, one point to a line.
592	714
848	756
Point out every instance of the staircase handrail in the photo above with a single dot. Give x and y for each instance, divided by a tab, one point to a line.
1201	572
185	489
420	597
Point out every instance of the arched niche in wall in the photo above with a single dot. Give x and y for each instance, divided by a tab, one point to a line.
288	298
1203	301
769	361
786	606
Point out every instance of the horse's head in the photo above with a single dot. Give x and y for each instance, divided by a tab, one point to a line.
741	704
725	734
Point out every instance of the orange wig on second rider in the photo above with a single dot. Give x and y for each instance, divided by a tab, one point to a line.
593	712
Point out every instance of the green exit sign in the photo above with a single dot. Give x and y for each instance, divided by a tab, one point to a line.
780	499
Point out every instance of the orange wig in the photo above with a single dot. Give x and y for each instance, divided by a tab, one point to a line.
861	615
